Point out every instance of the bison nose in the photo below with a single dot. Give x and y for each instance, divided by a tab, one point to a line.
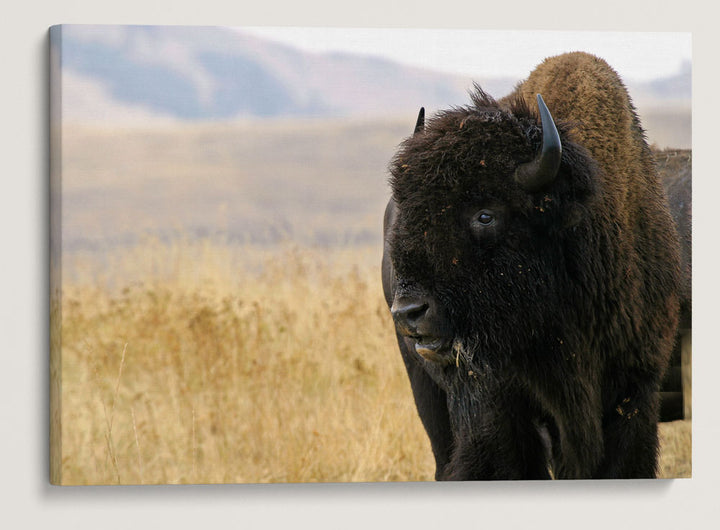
408	314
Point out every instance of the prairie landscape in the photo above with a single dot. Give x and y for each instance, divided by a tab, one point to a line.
221	314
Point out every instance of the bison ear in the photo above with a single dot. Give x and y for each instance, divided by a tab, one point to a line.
541	172
420	123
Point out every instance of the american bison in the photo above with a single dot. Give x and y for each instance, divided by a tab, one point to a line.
531	267
675	170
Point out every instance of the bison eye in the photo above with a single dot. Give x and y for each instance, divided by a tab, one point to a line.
486	223
483	219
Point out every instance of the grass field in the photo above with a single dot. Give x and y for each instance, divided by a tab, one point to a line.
284	369
207	375
222	314
257	182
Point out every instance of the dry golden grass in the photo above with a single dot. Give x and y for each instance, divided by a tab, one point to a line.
206	375
205	363
676	449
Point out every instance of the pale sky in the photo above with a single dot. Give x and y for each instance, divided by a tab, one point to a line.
476	53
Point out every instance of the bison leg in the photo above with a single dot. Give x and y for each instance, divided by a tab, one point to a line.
630	433
431	403
510	441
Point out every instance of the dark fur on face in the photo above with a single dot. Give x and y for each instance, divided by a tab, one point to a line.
464	162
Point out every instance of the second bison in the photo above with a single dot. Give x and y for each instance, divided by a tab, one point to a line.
532	271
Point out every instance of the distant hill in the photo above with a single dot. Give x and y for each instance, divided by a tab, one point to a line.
143	74
210	73
674	89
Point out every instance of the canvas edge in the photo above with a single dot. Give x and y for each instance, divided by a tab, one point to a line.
55	265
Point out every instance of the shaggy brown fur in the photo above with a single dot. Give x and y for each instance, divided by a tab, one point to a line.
537	340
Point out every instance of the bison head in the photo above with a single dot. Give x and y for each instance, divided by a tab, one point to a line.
482	199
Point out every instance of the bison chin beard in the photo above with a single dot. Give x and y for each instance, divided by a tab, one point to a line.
468	381
499	431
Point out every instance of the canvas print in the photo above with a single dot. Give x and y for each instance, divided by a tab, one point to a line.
290	255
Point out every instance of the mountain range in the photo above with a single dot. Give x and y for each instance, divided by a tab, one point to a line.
121	73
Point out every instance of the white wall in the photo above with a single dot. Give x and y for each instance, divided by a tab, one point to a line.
27	499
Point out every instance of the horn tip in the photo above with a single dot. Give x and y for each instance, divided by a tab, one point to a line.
420	123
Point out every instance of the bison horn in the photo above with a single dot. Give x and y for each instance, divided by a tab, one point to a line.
537	174
420	123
